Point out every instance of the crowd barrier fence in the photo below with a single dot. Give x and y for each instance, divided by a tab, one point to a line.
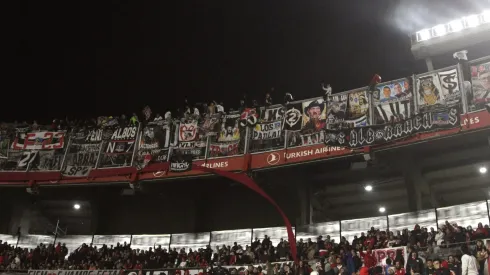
469	214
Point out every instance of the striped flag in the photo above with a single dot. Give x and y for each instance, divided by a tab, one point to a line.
399	109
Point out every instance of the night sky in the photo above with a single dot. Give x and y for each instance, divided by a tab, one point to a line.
89	58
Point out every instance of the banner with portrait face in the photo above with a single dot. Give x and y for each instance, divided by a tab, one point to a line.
479	95
155	142
358	105
230	128
314	116
438	90
393	101
336	109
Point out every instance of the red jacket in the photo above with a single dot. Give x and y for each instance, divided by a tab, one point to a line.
369	259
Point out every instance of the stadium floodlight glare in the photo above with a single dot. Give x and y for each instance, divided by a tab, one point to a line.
382	209
483	170
423	35
368	188
485	16
439	30
76	206
456	25
472	21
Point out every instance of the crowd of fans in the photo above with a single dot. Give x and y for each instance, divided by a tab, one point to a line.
324	256
187	111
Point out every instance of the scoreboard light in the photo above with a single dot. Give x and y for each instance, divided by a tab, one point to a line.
468	22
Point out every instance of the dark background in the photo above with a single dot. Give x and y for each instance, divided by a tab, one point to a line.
88	58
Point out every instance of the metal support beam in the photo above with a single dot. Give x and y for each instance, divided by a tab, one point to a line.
430	66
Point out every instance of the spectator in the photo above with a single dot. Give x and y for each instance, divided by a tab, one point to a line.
415	263
439	269
158	117
399	268
219	107
268	99
134	119
469	265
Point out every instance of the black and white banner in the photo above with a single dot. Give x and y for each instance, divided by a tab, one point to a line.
83	152
389	112
267	130
118	149
440	89
272	113
336	108
180	163
155	142
380	134
293	117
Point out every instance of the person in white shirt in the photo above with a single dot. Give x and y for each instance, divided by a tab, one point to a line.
168	115
469	265
219	107
196	112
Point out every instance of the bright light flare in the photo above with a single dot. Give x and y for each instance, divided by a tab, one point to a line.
382	209
485	16
483	170
439	30
368	188
423	35
472	21
456	26
76	206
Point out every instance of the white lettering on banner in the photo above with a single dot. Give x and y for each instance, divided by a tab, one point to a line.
312	139
267	130
127	133
39	141
222	164
471	121
312	152
94	135
179	166
119	147
191	144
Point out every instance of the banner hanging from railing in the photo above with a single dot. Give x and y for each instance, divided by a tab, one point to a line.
118	149
36	151
357	109
305	121
479	96
393	101
83	152
437	90
381	134
336	110
155	142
